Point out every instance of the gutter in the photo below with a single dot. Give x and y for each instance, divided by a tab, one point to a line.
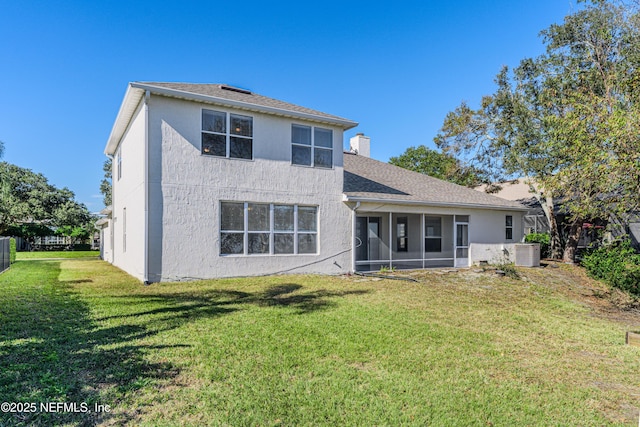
347	198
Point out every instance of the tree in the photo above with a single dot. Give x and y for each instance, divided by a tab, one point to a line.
567	121
77	234
1	149
28	198
105	184
438	165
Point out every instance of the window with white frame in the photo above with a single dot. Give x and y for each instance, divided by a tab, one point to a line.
119	163
267	228
227	135
508	227
311	146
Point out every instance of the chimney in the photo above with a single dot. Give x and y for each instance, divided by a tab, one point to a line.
360	145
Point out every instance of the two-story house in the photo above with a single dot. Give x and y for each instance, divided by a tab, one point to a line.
214	181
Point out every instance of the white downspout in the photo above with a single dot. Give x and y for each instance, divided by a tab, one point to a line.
145	175
353	237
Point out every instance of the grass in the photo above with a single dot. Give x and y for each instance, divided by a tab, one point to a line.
56	254
454	349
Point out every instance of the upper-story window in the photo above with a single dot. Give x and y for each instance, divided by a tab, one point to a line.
311	146
227	135
119	163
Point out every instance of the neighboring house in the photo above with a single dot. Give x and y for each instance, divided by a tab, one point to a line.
215	181
105	225
535	221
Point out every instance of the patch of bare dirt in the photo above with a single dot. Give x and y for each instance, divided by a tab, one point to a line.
573	282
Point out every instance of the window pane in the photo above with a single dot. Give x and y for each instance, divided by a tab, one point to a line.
300	134
241	125
283	243
323	138
232	216
462	218
241	148
433	245
509	221
307	219
283	218
300	155
258	243
433	227
231	243
323	158
214	145
509	233
462	235
214	121
258	217
307	244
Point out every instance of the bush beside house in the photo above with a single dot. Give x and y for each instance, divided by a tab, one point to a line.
544	239
617	265
12	250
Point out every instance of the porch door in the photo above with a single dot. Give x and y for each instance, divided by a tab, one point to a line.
462	241
367	238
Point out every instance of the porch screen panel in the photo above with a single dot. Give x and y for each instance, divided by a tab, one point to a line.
432	234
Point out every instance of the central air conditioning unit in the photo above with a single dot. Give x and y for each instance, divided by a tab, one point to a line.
528	255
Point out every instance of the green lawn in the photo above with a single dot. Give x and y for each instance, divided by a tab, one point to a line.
56	254
467	349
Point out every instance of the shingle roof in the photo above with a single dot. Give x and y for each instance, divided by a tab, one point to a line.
369	179
215	94
223	91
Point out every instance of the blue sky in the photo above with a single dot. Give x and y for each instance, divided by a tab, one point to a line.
397	68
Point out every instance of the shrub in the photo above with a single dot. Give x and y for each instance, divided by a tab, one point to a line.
81	247
509	270
12	250
617	265
545	241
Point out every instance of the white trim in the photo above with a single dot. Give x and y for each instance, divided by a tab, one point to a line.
390	240
347	198
145	174
272	231
227	134
344	123
135	92
312	146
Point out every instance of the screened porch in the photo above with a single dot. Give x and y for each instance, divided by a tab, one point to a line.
410	241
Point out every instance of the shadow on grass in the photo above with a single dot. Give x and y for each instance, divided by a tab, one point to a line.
207	303
52	351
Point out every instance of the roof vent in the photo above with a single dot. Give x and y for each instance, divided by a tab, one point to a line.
235	89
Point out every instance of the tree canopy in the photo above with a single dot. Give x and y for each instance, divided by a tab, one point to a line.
567	120
27	197
438	165
105	184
